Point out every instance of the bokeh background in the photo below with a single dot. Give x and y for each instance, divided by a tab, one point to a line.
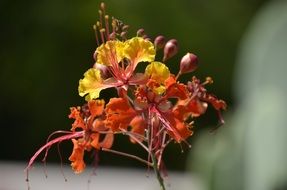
47	45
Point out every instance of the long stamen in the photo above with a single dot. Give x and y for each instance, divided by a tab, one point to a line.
163	145
48	139
102	32
101	17
107	27
96	34
128	155
135	139
61	160
52	142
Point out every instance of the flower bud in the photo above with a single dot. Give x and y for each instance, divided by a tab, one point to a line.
123	35
146	37
170	49
188	63
159	42
125	27
140	32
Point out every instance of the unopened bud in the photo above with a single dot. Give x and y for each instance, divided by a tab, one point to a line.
140	32
125	27
123	34
170	49
188	63
146	37
159	42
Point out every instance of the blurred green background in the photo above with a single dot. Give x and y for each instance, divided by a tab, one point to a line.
47	45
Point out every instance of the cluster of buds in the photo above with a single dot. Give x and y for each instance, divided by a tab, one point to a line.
153	108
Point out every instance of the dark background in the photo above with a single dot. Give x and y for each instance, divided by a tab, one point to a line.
47	45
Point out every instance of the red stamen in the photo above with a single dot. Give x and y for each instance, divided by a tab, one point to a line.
107	27
96	35
52	142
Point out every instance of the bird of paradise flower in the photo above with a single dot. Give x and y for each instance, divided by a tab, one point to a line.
145	109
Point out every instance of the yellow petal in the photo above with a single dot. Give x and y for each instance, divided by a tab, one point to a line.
159	90
91	84
110	53
157	71
138	49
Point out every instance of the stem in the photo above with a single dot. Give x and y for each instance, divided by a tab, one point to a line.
157	172
152	154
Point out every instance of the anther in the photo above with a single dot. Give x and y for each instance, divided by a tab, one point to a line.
99	25
170	49
107	27
103	6
208	80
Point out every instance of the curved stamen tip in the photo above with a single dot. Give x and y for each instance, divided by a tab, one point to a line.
50	143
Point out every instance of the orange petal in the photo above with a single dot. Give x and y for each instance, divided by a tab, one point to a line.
177	90
197	107
96	107
78	164
181	112
138	125
174	89
79	122
176	128
216	103
170	81
108	141
95	140
98	125
183	130
119	114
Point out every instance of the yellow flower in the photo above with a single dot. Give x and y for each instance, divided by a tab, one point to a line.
158	72
110	53
91	84
138	50
121	59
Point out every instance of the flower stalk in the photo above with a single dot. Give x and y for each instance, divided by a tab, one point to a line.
157	171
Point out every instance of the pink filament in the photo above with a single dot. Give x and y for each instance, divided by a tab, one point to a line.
52	142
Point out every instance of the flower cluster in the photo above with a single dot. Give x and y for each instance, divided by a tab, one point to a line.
152	107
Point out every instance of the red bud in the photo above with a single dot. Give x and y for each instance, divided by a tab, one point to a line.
140	32
188	63
159	42
170	49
